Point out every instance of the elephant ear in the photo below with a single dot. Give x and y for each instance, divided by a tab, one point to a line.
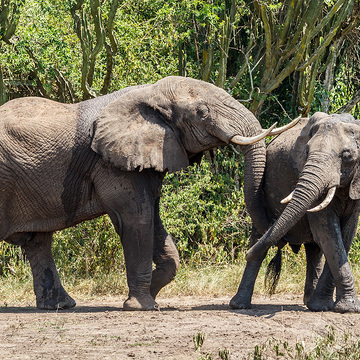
133	133
354	191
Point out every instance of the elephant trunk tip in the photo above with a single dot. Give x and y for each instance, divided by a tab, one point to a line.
260	247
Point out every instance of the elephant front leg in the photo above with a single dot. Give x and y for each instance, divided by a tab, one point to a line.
322	298
165	256
242	299
137	240
50	295
345	303
327	232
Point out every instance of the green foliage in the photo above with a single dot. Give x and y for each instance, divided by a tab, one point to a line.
12	261
354	253
198	340
45	57
69	52
88	249
204	210
85	250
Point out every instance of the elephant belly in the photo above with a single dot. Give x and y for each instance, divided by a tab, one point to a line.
45	208
300	233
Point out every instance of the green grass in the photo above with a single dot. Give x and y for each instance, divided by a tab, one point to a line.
332	346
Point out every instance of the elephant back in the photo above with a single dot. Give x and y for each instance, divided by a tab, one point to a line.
90	110
36	125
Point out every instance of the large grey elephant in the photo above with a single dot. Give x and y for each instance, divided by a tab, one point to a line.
319	158
62	164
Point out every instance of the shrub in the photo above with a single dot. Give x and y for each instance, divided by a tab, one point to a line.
203	208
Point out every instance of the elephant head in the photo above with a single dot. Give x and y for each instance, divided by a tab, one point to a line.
326	156
165	125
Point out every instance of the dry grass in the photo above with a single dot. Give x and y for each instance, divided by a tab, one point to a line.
207	280
204	279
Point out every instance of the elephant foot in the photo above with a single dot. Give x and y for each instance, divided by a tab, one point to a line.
308	295
56	302
144	303
320	303
347	304
239	302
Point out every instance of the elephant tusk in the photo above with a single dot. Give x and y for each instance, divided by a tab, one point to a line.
288	198
244	140
326	202
285	127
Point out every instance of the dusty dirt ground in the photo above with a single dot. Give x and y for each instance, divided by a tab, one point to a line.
99	329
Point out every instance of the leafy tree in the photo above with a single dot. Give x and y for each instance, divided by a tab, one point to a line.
9	18
255	47
95	32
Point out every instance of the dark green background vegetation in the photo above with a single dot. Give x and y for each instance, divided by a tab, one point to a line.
280	59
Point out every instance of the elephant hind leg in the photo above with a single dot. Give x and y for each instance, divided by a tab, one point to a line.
167	263
337	269
50	294
165	256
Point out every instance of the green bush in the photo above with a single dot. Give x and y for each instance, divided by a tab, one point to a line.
89	248
84	250
12	261
203	208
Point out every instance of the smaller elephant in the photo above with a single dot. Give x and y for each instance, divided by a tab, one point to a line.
319	158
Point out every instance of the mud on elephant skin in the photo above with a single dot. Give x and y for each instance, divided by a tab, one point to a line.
62	164
319	158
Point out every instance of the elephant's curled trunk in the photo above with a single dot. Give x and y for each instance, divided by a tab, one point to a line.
310	187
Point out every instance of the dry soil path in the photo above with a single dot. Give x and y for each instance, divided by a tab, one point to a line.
99	329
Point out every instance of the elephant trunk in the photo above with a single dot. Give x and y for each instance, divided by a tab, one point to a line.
245	130
254	167
311	185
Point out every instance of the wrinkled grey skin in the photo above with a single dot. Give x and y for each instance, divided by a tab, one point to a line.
62	164
312	157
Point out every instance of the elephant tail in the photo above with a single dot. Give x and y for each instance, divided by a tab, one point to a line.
273	270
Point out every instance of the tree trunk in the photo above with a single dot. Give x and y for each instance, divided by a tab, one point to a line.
350	104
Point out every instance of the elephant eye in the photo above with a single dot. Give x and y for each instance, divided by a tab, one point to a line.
202	111
347	156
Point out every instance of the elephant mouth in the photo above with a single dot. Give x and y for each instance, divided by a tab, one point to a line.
329	197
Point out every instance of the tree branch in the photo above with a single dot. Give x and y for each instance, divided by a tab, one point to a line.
350	104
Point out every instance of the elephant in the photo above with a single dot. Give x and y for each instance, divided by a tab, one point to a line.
61	164
319	158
